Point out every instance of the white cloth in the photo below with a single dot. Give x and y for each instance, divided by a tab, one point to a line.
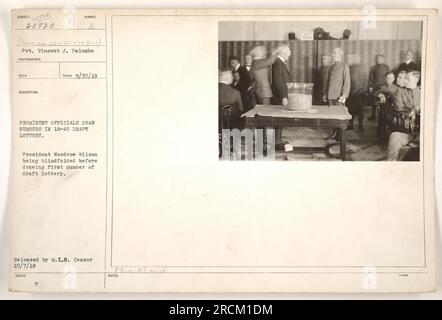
281	59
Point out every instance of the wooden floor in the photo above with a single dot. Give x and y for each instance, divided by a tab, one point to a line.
361	146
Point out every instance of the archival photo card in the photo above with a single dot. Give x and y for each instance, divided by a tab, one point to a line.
223	150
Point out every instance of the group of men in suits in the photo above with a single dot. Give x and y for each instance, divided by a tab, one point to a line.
263	80
270	75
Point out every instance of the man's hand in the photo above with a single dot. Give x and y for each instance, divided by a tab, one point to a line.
370	90
324	98
342	99
285	102
382	98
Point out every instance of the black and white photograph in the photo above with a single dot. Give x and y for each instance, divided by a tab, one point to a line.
324	90
115	184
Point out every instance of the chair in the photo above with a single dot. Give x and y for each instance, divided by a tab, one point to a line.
225	114
405	124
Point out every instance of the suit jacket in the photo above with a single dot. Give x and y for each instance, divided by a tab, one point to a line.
249	70
376	76
412	66
228	95
280	78
244	77
261	77
338	83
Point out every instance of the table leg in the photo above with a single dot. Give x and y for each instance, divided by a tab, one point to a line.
343	146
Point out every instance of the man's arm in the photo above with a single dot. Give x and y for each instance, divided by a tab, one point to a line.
238	101
399	101
416	103
270	60
380	90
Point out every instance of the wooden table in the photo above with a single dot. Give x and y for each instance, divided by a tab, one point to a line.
333	117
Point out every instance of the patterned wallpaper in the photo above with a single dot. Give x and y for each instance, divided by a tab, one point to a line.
301	63
304	59
393	50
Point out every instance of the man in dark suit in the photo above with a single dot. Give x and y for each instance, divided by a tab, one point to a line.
245	91
229	96
244	74
280	78
226	94
245	82
409	65
248	64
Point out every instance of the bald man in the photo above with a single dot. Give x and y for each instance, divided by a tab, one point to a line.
226	94
229	96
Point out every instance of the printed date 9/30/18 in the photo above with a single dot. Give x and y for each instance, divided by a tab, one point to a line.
87	75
